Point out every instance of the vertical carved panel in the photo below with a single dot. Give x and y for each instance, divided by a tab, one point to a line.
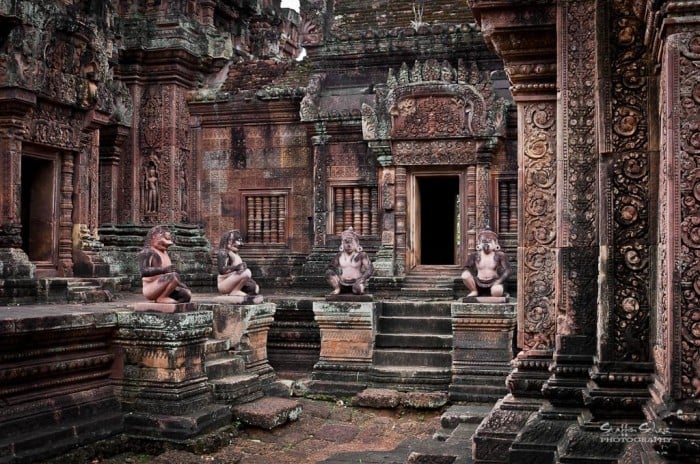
320	178
537	315
65	212
687	258
578	171
628	221
400	217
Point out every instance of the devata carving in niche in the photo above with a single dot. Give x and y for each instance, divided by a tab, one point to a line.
234	276
351	268
151	185
160	281
491	265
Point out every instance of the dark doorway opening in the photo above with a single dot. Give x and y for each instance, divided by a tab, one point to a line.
38	209
439	198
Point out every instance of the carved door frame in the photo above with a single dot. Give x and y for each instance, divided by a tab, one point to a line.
413	230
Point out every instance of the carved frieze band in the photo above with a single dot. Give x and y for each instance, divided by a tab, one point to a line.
578	169
686	256
629	227
538	225
434	152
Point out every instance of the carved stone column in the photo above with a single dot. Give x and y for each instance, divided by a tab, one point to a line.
320	147
524	37
14	106
384	259
623	364
676	335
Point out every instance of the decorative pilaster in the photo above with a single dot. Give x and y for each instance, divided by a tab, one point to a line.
530	63
384	258
161	376
15	105
320	147
675	407
65	215
624	362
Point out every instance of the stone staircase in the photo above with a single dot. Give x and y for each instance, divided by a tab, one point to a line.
87	290
430	283
228	380
413	346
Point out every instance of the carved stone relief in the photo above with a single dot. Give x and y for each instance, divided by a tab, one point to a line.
538	226
687	312
578	171
629	226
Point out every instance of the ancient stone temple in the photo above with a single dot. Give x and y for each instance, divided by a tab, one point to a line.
569	129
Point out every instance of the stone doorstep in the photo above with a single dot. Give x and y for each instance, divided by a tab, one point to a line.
268	412
465	414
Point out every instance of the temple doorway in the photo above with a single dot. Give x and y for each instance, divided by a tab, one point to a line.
436	219
38	210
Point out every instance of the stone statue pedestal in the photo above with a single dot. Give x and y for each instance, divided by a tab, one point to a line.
161	375
170	308
239	299
482	350
347	341
485	299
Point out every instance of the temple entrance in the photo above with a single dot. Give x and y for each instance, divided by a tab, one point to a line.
436	219
39	175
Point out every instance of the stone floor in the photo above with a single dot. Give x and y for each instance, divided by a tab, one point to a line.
326	432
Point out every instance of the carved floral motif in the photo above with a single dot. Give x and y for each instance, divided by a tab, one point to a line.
630	187
579	166
539	226
688	254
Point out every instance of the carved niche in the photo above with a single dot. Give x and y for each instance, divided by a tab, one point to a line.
435	114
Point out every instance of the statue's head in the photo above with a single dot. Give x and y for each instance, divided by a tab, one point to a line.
349	241
232	237
487	241
159	238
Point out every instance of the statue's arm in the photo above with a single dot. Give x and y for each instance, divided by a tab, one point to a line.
471	261
367	267
334	265
150	264
503	261
222	261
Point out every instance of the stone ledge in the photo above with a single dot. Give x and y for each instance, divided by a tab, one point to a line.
168	308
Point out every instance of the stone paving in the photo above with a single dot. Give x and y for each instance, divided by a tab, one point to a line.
325	432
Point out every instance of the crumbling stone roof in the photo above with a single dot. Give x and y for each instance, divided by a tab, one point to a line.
354	15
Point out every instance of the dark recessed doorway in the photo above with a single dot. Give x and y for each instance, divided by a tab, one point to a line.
438	217
39	209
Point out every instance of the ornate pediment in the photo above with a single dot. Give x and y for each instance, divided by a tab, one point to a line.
433	100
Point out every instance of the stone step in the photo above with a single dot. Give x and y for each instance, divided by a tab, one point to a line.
268	412
214	349
410	357
410	378
413	341
415	325
224	367
416	309
236	389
